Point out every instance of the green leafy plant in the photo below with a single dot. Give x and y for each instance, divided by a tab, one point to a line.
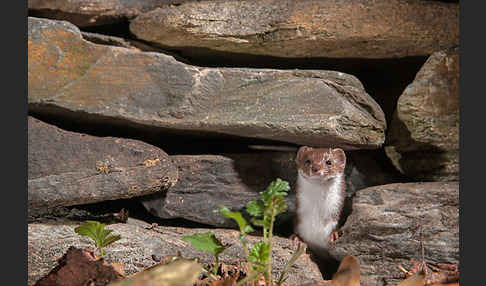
263	213
207	242
97	232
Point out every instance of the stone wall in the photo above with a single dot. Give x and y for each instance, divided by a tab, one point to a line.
181	106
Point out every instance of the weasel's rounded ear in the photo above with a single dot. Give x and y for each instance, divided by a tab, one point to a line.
301	152
339	154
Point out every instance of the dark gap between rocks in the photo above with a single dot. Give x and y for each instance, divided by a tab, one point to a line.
101	212
120	29
173	142
111	25
136	210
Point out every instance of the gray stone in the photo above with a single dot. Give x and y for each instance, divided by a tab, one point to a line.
423	140
67	168
384	229
302	29
209	181
68	76
140	241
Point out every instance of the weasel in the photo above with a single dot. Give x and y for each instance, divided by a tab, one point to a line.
321	191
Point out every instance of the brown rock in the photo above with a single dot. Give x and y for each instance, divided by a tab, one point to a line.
86	13
300	29
423	141
386	224
67	168
113	85
140	242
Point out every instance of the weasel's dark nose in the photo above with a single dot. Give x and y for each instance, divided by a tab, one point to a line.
315	169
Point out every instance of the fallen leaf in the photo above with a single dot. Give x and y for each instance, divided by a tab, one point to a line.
181	272
82	267
348	273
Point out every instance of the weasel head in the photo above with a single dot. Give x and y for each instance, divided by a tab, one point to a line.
320	164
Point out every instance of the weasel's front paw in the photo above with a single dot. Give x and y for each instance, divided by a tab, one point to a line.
334	236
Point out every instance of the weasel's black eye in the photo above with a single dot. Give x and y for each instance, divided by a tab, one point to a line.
307	162
328	162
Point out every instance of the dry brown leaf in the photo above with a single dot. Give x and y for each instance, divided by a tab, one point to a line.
437	273
348	273
417	279
224	282
181	272
81	267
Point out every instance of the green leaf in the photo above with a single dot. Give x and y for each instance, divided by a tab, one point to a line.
255	208
243	238
205	242
260	222
240	220
259	253
97	232
109	240
278	204
90	229
277	187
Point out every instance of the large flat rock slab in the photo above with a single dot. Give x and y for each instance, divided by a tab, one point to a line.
67	168
423	140
300	29
140	241
68	75
384	230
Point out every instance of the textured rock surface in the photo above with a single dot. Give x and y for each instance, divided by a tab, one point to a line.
208	181
287	28
139	242
68	168
69	75
85	13
423	140
384	228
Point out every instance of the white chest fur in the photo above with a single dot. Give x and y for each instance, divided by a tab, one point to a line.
318	207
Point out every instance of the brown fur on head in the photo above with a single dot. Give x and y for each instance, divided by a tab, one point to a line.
320	162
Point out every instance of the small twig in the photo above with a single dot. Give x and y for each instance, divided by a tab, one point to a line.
209	274
402	269
424	266
292	260
250	277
